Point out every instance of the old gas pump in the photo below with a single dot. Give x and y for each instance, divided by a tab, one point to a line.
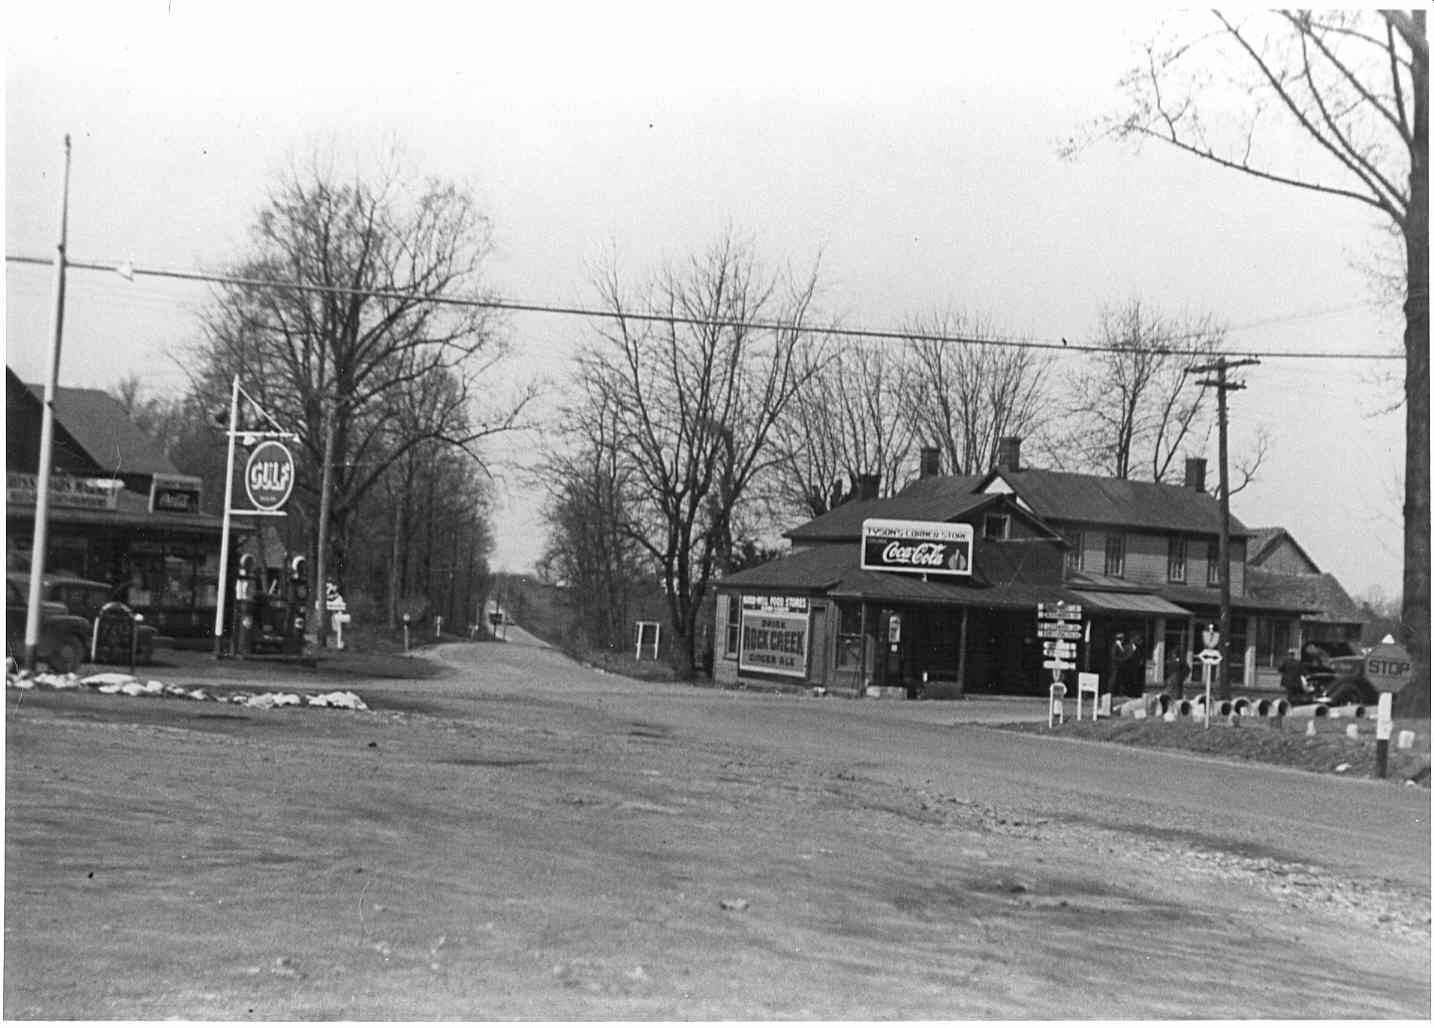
245	585
298	590
893	651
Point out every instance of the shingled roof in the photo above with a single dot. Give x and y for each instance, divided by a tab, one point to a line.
950	500
1320	593
1063	496
99	424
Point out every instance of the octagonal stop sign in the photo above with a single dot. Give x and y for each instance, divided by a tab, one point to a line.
1388	667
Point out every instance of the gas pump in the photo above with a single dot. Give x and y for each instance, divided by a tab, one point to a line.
298	605
893	651
244	604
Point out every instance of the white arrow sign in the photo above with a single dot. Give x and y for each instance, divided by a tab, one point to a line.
1057	664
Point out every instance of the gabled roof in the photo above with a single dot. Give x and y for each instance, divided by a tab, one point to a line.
1264	541
934	503
1063	496
98	423
1320	593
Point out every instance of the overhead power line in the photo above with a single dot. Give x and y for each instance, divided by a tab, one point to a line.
492	303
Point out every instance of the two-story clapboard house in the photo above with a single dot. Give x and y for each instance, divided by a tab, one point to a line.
1137	558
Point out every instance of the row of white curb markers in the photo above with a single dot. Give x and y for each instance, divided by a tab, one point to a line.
117	683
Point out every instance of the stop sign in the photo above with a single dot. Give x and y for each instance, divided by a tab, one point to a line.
1388	667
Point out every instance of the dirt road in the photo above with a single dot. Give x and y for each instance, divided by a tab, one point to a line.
526	838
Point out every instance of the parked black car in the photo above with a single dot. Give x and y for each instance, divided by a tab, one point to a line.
86	598
64	641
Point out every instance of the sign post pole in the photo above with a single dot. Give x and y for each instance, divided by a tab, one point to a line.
1383	728
224	536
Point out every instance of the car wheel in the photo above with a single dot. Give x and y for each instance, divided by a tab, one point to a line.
69	653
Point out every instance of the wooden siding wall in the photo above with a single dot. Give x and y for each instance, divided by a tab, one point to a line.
1147	558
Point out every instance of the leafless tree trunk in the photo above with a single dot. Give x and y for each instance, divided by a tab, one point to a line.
1355	84
695	396
359	334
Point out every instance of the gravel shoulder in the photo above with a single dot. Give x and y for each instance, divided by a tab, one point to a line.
514	836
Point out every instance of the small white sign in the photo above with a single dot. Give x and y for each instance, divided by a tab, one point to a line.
1211	657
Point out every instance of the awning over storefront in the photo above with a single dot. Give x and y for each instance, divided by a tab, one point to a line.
1131	603
883	587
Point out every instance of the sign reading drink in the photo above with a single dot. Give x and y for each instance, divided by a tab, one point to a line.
774	635
921	547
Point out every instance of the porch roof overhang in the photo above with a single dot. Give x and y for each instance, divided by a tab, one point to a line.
1201	601
202	523
911	590
1131	603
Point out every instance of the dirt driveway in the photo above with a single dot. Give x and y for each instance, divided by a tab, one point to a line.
524	838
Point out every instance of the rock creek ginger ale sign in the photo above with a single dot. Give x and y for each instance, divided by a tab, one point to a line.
774	635
917	547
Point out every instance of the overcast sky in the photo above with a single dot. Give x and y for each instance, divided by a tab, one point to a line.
913	146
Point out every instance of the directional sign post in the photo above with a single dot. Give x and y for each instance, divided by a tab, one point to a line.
1058	627
1209	659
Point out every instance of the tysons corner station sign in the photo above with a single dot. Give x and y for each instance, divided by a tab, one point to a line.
920	547
774	635
269	476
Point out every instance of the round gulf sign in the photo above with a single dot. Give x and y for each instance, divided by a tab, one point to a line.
269	475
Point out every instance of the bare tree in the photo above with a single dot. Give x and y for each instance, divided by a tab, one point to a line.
360	329
966	396
695	396
845	422
1355	84
590	547
1134	405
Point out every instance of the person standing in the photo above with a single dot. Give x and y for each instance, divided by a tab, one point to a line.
1122	665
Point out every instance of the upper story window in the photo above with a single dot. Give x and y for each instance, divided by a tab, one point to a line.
996	526
1075	556
1212	564
1175	560
1115	555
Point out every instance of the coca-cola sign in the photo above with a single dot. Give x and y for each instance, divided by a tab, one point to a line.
921	547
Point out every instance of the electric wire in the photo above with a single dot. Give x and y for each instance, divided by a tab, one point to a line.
838	331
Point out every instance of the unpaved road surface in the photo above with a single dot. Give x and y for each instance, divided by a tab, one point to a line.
523	837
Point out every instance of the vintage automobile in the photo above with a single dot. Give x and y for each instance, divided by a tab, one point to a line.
1336	675
64	641
87	597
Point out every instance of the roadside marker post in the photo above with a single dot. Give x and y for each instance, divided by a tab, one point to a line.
1057	710
1383	729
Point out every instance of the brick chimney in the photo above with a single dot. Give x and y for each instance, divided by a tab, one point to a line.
1195	473
930	461
1008	453
868	487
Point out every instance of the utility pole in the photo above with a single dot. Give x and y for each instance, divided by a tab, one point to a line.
1221	383
47	431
